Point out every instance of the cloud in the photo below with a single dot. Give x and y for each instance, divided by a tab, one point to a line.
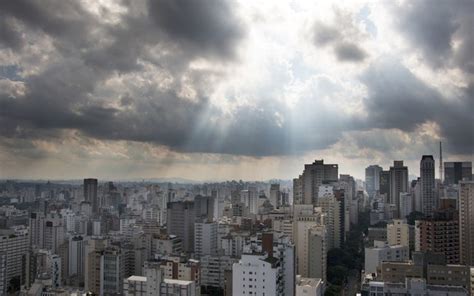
341	36
205	25
398	99
195	79
442	31
349	52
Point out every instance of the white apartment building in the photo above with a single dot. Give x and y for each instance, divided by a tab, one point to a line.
381	252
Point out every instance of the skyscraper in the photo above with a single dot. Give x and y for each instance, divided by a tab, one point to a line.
90	194
384	184
275	195
314	175
427	179
439	234
466	222
398	183
457	171
372	179
180	222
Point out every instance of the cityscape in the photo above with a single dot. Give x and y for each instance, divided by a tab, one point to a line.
236	148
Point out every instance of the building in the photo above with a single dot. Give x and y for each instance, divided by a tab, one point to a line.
414	286
457	171
384	185
3	273
165	244
154	278
466	222
398	233
439	234
111	272
76	258
398	183
90	194
205	238
428	265
16	246
277	246
305	218
317	247
381	252
135	286
406	204
309	287
334	207
314	175
180	222
205	208
170	287
427	182
257	274
298	196
372	180
213	269
181	268
275	198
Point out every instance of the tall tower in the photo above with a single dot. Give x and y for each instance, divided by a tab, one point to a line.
466	222
427	178
90	194
440	163
398	183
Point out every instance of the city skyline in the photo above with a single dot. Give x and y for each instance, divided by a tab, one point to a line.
231	90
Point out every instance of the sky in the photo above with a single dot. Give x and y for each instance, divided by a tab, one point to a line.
215	90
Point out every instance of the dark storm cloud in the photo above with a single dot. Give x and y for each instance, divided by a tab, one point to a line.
435	27
168	35
65	20
10	36
349	52
398	99
340	38
208	25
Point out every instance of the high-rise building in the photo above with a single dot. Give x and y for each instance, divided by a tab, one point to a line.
406	204
76	258
257	274
298	196
427	179
16	245
381	252
213	269
398	183
3	273
111	272
317	246
372	179
205	238
180	222
457	171
333	206
398	233
439	234
314	175
90	194
205	207
275	199
466	222
305	218
135	286
384	185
